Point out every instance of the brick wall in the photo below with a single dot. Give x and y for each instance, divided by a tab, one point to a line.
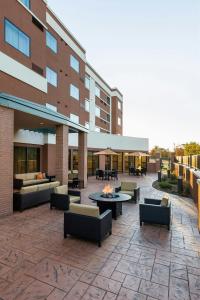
6	160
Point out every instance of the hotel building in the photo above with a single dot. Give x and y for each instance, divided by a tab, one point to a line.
55	109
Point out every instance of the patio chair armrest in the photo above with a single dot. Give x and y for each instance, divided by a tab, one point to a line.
117	189
60	201
18	183
107	213
152	201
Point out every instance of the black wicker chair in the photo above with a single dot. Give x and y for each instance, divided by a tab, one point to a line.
87	227
134	193
62	201
151	211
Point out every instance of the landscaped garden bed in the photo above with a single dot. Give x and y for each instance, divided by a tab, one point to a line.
170	185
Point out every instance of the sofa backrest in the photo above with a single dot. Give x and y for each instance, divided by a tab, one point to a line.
27	176
62	189
39	187
86	210
128	185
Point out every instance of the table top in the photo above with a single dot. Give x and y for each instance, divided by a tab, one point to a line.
120	197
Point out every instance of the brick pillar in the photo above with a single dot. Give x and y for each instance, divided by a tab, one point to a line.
82	158
62	153
6	160
102	162
123	163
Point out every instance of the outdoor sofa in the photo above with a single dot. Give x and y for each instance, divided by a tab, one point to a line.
29	179
85	221
155	211
30	196
62	197
130	188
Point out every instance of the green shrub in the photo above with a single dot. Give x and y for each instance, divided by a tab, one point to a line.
165	185
173	181
164	178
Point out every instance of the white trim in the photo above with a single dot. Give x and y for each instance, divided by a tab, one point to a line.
115	93
65	36
15	69
32	13
97	79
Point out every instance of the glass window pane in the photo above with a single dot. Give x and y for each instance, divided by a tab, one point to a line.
97	111
74	63
19	160
87	105
51	42
97	91
74	92
26	2
33	160
74	118
17	38
87	82
51	77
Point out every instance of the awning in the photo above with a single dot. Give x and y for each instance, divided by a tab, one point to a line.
39	111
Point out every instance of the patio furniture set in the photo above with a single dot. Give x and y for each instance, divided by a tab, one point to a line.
140	171
107	174
89	221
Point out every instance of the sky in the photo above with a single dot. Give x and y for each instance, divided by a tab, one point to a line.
150	50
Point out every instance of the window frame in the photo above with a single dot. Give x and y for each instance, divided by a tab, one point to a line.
97	87
29	38
47	67
119	123
99	109
86	76
119	105
71	84
72	57
56	52
87	101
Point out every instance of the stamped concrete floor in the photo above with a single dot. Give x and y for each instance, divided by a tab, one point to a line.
134	263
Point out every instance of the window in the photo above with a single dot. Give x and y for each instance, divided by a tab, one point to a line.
97	91
26	160
51	42
74	92
97	111
87	82
87	105
74	118
119	121
51	77
26	3
16	38
108	100
119	105
74	63
97	129
87	125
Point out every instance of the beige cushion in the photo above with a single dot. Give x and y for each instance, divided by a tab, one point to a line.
70	176
34	181
165	201
130	193
74	199
27	176
44	186
86	210
75	171
62	189
54	184
29	189
128	185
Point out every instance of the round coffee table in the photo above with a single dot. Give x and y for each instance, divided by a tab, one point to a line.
114	203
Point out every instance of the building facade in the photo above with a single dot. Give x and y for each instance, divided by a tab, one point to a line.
46	83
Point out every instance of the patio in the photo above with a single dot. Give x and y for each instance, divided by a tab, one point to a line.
133	263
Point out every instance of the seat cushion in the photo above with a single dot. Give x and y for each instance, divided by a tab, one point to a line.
62	189
54	184
74	199
44	186
86	210
130	193
27	176
128	185
34	181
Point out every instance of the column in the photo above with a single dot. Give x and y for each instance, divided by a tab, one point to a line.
6	160
82	159
62	153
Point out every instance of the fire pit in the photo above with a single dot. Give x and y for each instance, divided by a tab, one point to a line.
108	192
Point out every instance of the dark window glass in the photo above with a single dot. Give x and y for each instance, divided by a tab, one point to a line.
26	160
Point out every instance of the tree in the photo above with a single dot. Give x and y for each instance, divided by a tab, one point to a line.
191	148
179	151
163	152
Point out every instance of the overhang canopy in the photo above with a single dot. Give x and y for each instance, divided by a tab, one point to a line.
41	112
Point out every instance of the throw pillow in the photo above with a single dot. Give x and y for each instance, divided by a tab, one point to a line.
39	176
165	201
